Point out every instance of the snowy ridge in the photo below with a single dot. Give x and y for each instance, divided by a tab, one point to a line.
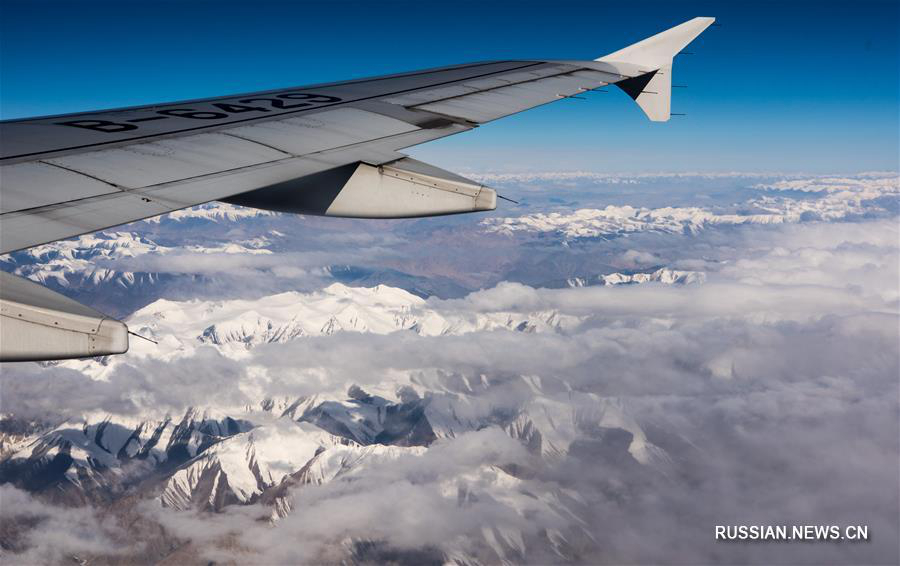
235	326
267	453
91	259
241	467
663	275
213	212
256	453
63	261
631	178
98	451
619	220
507	541
343	460
837	199
356	415
611	178
866	186
292	427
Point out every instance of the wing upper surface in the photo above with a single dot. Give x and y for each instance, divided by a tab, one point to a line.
67	175
37	138
331	149
62	176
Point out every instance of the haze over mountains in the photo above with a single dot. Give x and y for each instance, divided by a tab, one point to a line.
566	381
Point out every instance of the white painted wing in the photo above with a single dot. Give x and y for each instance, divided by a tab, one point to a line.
62	176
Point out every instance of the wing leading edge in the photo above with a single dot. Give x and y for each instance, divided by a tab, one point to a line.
331	149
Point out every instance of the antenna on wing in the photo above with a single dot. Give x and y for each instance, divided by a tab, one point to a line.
509	199
143	337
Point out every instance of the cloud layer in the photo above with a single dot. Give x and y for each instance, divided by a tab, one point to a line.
765	393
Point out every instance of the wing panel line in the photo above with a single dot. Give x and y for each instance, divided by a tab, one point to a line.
538	79
242	138
264	92
82	173
129	141
139	190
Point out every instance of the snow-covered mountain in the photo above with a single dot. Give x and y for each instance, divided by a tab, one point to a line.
81	260
213	212
129	262
235	326
619	220
869	186
241	467
828	198
91	259
263	453
663	275
287	421
95	455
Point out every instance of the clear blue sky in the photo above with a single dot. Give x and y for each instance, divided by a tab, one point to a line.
780	86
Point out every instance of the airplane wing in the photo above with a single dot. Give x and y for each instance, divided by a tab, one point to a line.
329	149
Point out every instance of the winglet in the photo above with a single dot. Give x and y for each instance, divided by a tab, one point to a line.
652	90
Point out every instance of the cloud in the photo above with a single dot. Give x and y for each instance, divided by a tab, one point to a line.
770	385
149	387
870	185
40	533
406	499
771	389
635	259
826	199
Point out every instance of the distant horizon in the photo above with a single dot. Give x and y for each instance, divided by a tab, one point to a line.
674	173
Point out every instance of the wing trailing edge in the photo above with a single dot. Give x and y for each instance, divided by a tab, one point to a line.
404	188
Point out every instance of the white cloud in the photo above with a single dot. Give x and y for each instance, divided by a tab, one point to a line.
836	199
766	393
635	259
39	533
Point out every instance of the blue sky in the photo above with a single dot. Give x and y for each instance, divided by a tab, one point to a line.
780	86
